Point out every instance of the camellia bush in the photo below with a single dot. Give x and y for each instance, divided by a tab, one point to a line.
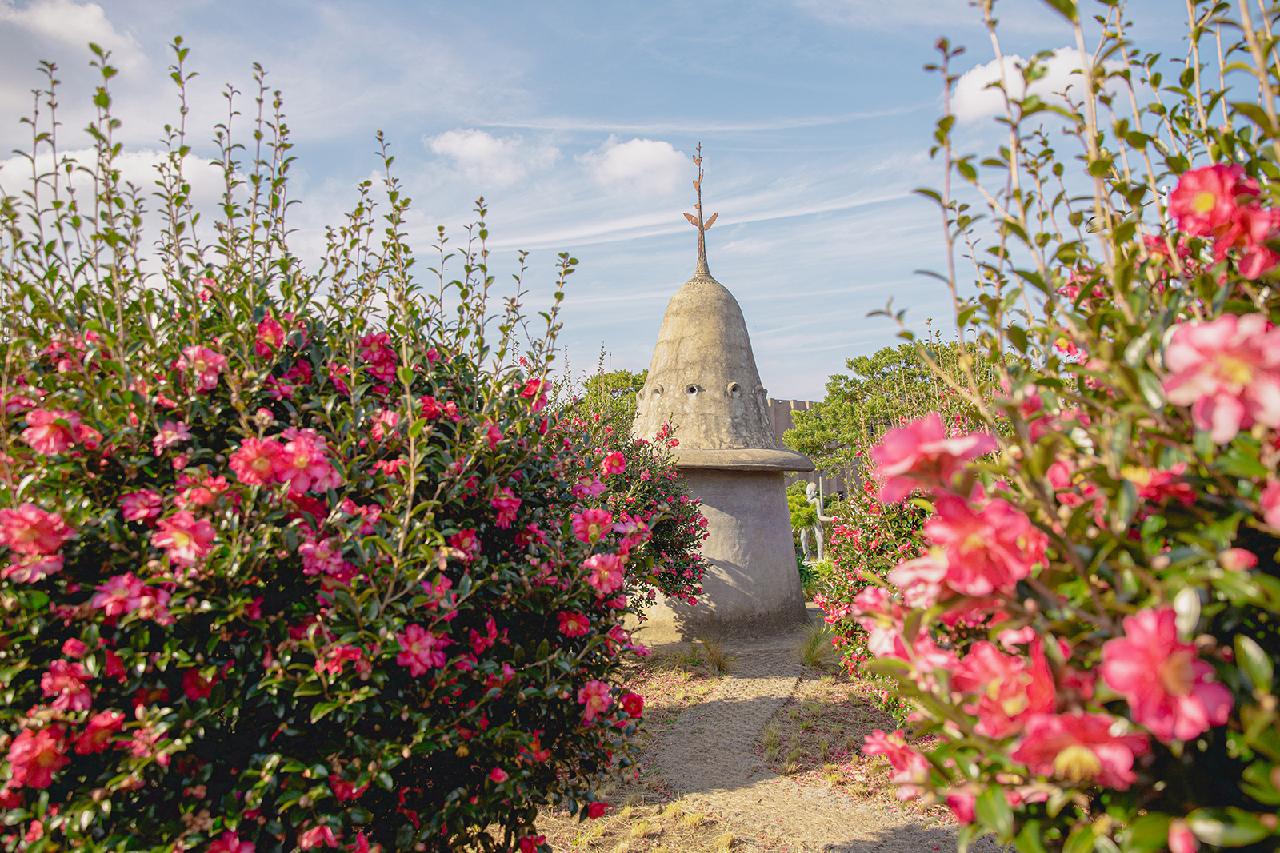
1120	545
636	482
292	559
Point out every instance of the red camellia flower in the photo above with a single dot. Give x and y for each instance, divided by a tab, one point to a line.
346	791
633	704
1228	371
185	538
421	651
229	842
1170	690
203	364
317	836
35	755
507	505
30	530
574	624
66	681
614	463
597	809
497	776
1080	748
1206	200
595	699
921	455
270	337
98	733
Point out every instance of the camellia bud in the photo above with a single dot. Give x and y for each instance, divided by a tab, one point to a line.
1237	559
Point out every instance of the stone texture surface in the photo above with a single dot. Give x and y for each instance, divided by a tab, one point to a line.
709	758
703	381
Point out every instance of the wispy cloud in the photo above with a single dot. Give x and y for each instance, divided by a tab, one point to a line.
692	126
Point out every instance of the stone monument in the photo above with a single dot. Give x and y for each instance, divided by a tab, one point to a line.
703	381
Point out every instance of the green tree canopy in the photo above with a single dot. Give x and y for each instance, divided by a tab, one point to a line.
879	392
611	395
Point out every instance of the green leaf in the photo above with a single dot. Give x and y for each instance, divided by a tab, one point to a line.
993	810
1147	832
322	710
1226	827
1257	665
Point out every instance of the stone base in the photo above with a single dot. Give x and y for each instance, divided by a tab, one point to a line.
751	587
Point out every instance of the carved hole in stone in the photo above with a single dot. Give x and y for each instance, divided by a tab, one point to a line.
693	389
657	391
734	389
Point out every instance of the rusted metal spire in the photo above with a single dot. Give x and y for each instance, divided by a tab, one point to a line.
697	221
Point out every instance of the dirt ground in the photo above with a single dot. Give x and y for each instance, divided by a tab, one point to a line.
747	748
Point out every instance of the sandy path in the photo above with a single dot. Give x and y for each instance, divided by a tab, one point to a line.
708	757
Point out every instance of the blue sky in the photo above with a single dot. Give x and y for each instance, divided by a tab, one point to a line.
575	120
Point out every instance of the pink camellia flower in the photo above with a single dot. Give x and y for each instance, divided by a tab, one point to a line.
30	530
589	525
614	463
256	460
595	699
317	836
507	505
1009	688
170	433
376	351
66	681
604	572
492	435
29	568
51	431
910	768
35	755
921	455
987	550
204	365
962	804
384	424
1228	371
573	624
1206	200
142	505
420	650
1270	503
304	462
270	337
97	735
1249	232
119	595
920	580
229	842
1237	559
1181	838
1081	749
1170	690
185	538
497	776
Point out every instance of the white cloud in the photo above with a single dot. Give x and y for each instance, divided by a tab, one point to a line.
493	161
71	24
976	98
647	167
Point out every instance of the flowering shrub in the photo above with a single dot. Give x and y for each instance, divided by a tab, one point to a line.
1117	557
636	483
291	559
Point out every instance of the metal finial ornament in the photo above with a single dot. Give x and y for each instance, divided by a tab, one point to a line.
697	221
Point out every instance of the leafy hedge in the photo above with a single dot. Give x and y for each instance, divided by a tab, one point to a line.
294	558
